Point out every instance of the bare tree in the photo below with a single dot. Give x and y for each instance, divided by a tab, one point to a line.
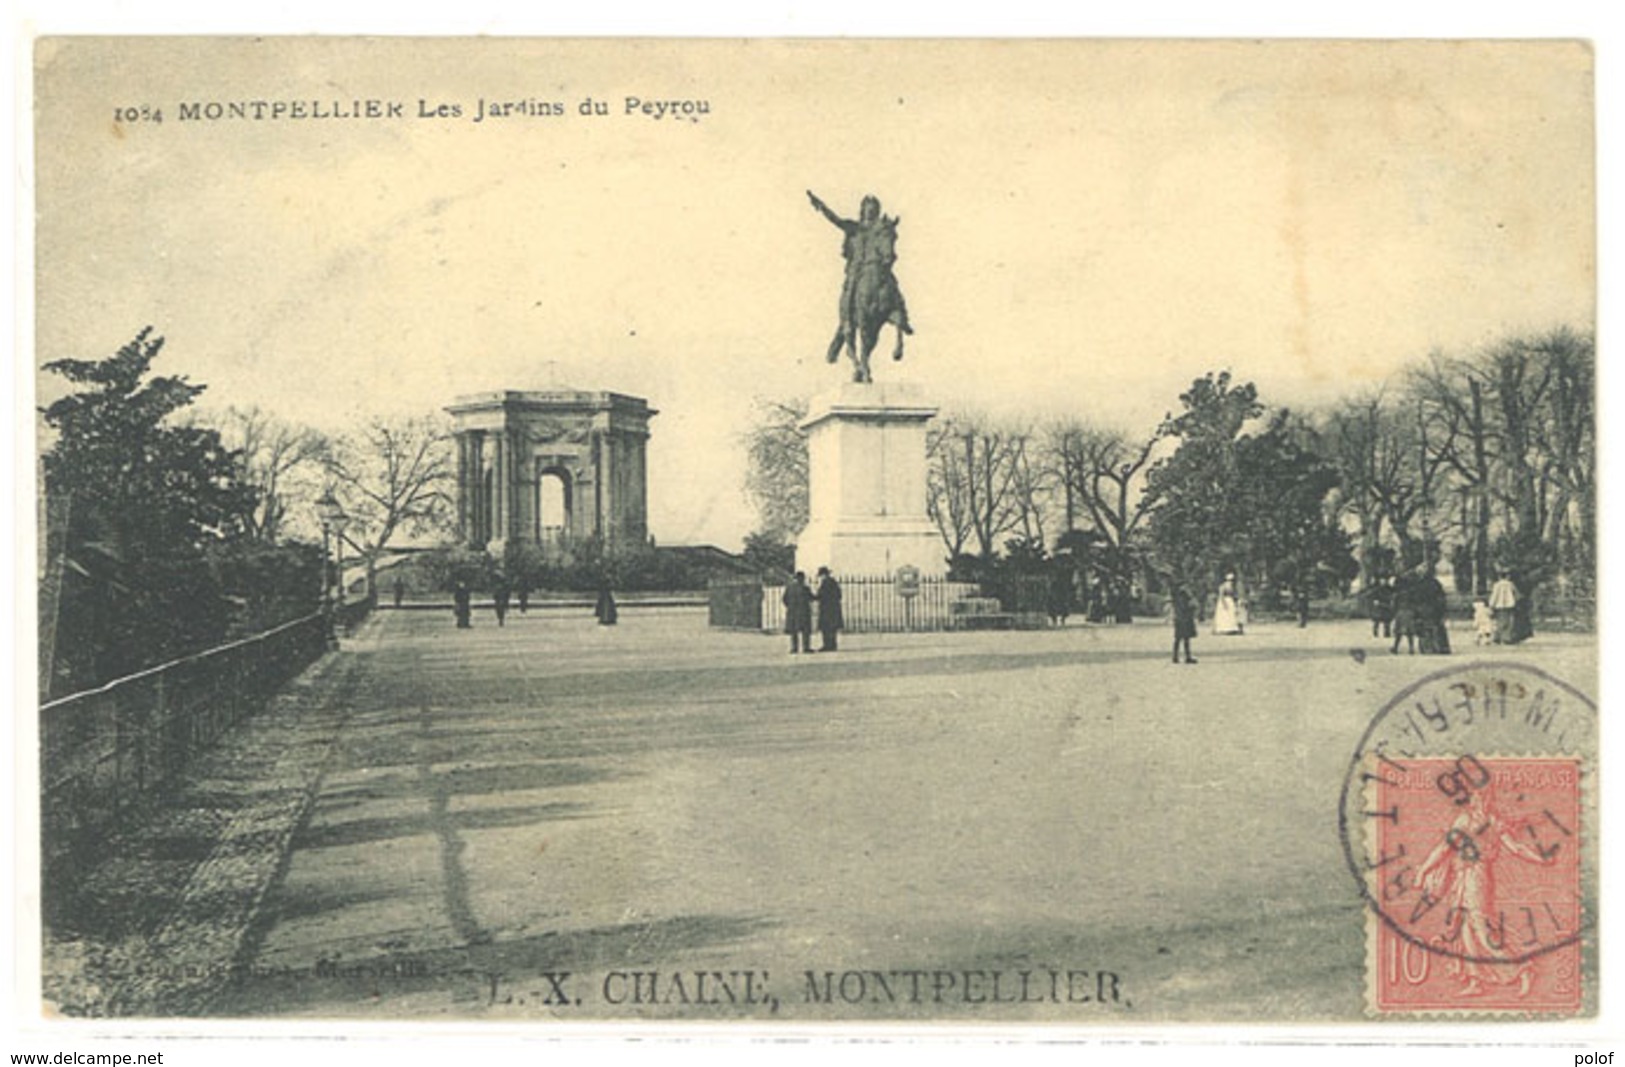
946	489
1563	436
1375	445
1454	420
776	468
974	478
272	454
393	478
1032	486
1508	434
1101	478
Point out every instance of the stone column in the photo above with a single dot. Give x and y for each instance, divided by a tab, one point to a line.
476	460
524	493
609	491
464	492
499	488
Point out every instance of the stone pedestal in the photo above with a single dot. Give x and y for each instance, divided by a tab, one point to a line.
866	474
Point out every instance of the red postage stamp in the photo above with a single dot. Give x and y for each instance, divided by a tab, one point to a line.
1476	880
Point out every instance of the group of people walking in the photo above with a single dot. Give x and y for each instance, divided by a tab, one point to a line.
502	596
799	599
1411	608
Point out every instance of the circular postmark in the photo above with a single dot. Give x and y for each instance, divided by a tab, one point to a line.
1460	815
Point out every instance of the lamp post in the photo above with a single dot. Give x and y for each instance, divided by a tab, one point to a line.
333	520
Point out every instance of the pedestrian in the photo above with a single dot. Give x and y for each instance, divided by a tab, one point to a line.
1404	613
1483	623
1186	616
1523	616
1059	599
524	597
500	595
605	610
1380	599
400	590
1433	638
460	605
830	618
798	613
1504	607
1227	617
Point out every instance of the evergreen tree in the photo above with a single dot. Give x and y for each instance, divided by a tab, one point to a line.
147	499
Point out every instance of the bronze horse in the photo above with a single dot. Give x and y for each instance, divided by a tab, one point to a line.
873	301
870	297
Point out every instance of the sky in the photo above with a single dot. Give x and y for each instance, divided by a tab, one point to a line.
1086	225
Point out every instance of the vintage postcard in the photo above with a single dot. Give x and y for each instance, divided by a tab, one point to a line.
1063	533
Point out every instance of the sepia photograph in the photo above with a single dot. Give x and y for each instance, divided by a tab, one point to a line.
1084	535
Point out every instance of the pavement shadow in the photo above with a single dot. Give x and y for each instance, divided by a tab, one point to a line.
665	685
482	780
372	831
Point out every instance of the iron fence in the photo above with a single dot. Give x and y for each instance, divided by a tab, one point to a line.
105	750
875	604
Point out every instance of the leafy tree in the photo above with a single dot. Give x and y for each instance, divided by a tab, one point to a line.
1291	532
1198	520
148	497
769	557
154	485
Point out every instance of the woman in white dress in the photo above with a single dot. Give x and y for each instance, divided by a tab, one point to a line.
1227	618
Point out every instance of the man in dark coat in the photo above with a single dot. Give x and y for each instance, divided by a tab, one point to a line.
1058	597
1431	608
1185	619
1405	616
605	609
500	595
460	605
1381	598
830	619
798	613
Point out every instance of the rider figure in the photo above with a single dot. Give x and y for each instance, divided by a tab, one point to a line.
863	246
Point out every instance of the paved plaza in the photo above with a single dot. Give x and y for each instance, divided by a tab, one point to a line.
556	820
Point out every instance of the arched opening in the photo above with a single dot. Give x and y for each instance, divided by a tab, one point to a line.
553	509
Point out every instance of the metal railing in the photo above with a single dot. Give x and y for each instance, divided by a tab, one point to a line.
105	750
875	604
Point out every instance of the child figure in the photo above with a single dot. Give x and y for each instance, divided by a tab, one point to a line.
1483	623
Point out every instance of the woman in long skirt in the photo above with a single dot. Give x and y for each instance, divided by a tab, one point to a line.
1227	609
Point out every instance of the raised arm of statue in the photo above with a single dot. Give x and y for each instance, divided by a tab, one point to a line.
823	209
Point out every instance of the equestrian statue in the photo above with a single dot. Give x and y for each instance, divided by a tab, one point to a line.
870	297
